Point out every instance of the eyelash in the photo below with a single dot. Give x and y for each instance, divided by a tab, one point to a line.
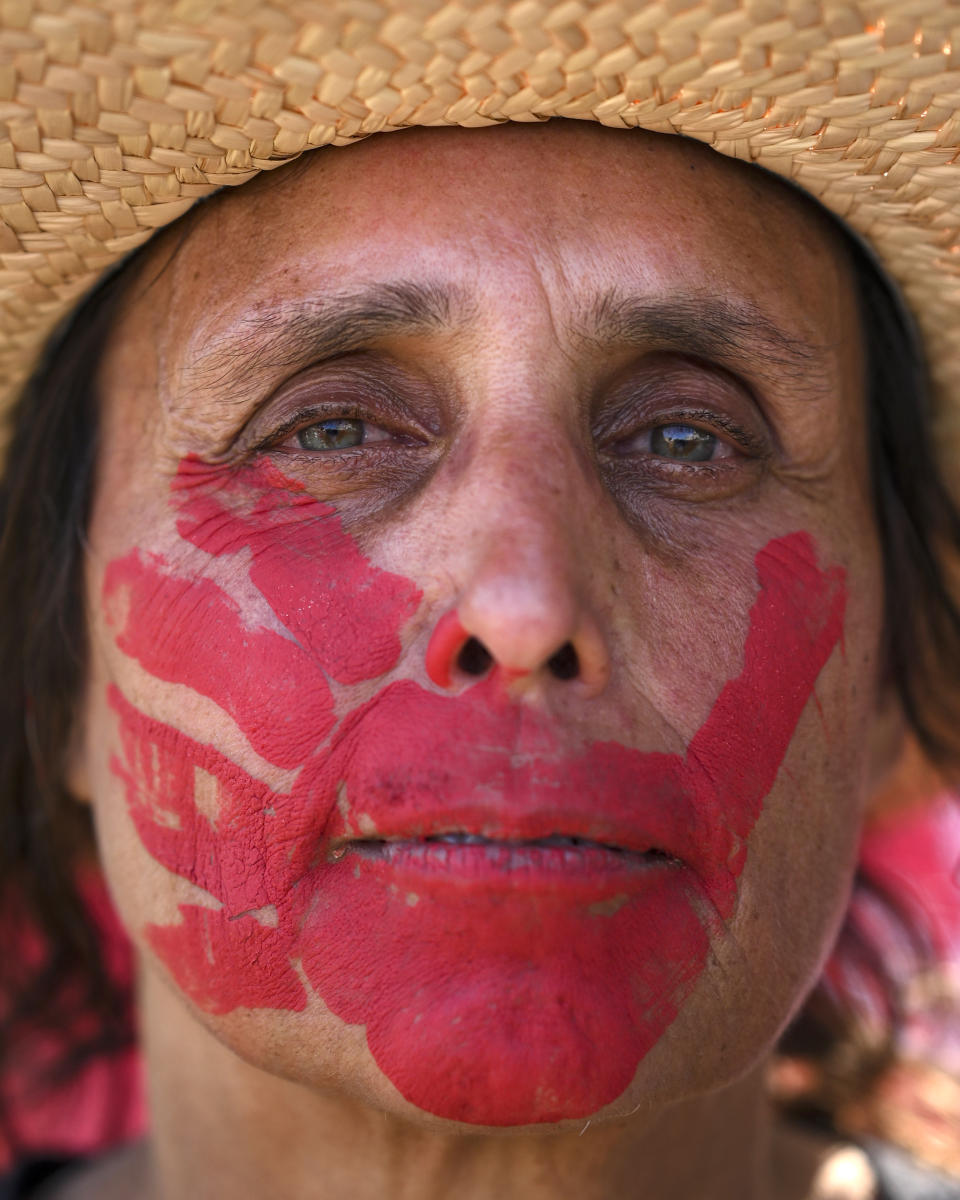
705	421
306	418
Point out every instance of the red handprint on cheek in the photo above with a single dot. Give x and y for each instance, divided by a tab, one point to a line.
207	820
199	814
187	631
343	611
486	983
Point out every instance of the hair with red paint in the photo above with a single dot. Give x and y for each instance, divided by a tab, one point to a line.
45	498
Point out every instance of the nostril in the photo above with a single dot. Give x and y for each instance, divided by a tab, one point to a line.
565	664
474	658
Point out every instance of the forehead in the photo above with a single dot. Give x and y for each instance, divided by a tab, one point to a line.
569	210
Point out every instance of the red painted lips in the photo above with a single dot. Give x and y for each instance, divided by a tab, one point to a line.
487	995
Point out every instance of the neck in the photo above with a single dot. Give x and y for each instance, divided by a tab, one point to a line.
223	1128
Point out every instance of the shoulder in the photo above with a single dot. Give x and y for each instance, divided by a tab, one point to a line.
902	1177
120	1175
811	1165
815	1166
32	1177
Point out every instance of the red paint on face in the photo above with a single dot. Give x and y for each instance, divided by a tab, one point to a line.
344	612
278	695
447	641
497	986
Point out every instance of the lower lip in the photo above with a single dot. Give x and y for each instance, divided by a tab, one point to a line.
465	963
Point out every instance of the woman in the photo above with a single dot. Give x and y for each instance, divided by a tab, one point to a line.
490	650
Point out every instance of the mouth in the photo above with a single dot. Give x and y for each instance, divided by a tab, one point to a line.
459	848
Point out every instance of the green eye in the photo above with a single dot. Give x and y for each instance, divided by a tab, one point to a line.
683	442
338	433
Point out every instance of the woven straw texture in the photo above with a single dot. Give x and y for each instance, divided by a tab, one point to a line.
116	116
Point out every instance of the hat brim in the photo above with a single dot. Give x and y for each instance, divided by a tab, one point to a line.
117	118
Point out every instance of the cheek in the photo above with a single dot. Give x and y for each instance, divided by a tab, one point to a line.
792	898
452	975
803	851
805	846
188	631
231	830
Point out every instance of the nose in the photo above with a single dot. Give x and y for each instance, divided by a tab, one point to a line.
453	652
523	616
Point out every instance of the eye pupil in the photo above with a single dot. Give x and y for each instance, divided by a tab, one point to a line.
685	442
337	433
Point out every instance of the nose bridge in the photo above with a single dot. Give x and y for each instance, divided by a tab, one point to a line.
527	539
527	576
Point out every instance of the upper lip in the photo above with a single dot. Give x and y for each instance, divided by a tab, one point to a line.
402	771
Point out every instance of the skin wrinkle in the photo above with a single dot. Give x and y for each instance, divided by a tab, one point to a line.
272	339
289	336
504	510
711	327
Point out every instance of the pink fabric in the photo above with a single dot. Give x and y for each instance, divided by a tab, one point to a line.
917	854
914	855
104	1105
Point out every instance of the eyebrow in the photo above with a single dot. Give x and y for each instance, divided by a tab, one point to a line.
710	327
294	334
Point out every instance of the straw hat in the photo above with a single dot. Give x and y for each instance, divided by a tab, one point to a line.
115	116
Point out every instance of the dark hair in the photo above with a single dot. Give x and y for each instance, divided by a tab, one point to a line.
62	982
919	525
58	991
45	497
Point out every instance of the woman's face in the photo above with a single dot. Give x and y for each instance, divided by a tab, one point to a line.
485	603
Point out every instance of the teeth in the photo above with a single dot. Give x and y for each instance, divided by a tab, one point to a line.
504	851
554	841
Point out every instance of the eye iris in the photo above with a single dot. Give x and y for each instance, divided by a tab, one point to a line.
684	442
338	433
